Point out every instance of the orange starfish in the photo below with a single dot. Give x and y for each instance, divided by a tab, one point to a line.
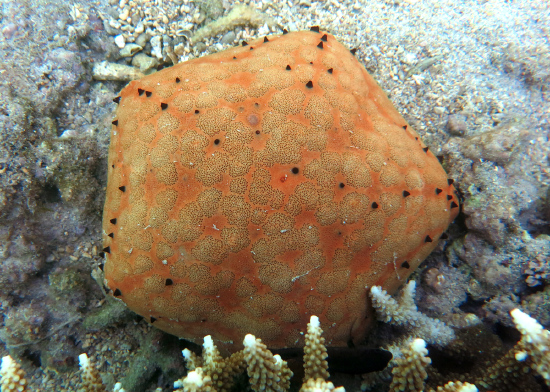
252	188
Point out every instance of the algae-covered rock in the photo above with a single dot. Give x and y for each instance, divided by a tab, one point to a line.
112	311
497	145
144	62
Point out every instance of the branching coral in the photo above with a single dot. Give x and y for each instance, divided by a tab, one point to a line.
315	352
534	344
267	372
211	371
403	312
410	370
457	387
320	385
91	380
13	377
196	381
507	374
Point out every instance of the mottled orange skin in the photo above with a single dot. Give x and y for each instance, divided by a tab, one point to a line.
255	187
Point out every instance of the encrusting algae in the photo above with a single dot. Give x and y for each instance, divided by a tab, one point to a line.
252	188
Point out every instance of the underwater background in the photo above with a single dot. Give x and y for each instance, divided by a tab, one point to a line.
471	77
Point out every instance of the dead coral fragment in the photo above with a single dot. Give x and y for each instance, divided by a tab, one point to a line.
535	343
13	377
240	15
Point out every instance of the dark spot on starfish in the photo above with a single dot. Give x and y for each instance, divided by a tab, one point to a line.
353	51
178	80
107	249
122	188
148	94
449	197
330	70
153	319
265	39
428	239
295	170
341	185
425	149
374	205
288	68
285	31
406	193
405	264
309	84
115	122
324	38
444	236
141	91
454	205
112	235
438	191
113	221
169	282
217	141
117	99
314	28
244	43
320	45
450	181
164	106
117	293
